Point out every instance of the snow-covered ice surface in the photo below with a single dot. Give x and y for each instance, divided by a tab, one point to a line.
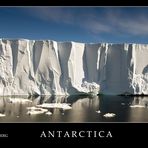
46	67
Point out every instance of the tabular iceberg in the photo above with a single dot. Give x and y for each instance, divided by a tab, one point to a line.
46	67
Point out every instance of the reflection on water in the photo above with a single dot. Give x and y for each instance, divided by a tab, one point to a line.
82	109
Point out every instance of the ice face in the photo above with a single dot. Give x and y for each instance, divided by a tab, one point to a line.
46	67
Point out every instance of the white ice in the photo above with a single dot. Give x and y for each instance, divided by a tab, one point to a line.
2	115
36	110
109	115
17	100
137	106
63	106
46	67
48	113
98	111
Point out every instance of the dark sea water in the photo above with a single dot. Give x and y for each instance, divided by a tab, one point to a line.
84	109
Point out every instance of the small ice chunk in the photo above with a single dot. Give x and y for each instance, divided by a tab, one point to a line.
36	110
98	111
2	115
17	100
48	113
137	106
63	106
109	115
122	103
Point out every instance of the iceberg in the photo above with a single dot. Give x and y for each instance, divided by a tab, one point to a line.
47	67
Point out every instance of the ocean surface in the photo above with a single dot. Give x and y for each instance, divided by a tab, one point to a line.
83	109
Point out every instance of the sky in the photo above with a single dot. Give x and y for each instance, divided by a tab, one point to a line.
79	24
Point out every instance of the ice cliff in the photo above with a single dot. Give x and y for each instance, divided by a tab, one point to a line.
46	67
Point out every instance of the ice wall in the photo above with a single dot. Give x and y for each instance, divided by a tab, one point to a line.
29	67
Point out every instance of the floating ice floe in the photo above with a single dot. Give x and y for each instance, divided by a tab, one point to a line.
36	110
109	115
17	100
48	113
137	106
63	106
98	111
2	115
